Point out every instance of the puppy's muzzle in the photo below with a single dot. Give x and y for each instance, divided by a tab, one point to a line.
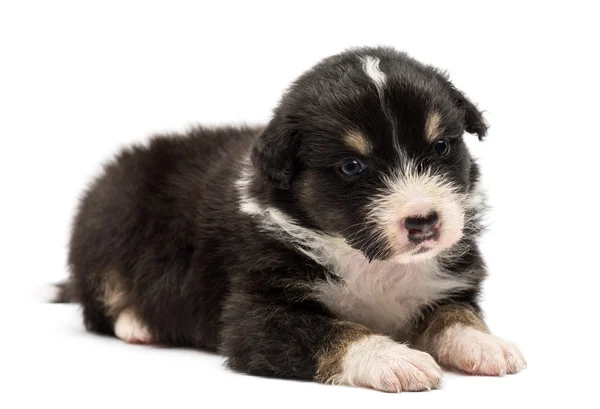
422	228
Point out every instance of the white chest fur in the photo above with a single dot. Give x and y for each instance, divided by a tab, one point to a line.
384	296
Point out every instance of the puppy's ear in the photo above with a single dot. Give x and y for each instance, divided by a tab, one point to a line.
274	154
474	122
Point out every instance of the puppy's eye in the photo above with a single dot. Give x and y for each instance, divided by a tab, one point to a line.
351	167
442	147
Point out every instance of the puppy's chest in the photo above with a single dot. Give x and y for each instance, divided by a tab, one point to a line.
386	297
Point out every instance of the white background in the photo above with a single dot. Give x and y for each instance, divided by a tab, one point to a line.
78	80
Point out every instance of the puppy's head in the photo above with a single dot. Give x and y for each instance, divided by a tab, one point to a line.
368	146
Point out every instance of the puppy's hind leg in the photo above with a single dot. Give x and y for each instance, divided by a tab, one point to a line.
116	297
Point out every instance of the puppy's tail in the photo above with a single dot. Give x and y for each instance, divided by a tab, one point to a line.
61	292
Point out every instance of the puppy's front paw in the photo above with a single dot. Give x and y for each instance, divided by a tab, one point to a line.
380	363
478	353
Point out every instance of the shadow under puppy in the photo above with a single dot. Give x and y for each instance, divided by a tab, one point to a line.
338	243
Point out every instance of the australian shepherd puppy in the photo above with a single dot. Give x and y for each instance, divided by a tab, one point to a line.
337	243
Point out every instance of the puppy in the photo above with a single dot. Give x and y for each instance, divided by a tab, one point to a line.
338	243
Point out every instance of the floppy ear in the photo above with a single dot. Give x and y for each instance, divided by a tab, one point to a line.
274	154
474	122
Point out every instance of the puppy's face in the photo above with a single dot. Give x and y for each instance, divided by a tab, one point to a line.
368	146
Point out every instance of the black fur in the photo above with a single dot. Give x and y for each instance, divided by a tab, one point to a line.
163	221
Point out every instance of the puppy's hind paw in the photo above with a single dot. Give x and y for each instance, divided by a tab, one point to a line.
130	329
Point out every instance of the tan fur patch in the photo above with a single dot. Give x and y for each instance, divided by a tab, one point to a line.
446	317
358	142
114	295
310	198
432	126
329	361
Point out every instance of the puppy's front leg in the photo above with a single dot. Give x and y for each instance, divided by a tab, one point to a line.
293	342
459	339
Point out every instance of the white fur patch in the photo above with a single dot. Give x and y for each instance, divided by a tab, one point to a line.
380	363
371	68
247	204
49	293
411	193
476	198
312	244
130	329
477	352
385	296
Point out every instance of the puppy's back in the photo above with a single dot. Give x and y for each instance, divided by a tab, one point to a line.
138	228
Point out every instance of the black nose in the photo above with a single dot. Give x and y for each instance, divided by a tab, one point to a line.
422	228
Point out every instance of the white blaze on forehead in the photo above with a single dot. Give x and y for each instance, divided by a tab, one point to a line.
371	68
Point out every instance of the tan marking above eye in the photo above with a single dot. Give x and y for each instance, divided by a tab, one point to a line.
432	126
359	142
